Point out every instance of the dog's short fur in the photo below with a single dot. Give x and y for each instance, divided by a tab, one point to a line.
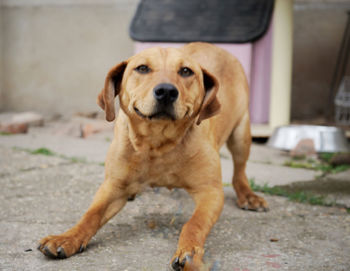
178	107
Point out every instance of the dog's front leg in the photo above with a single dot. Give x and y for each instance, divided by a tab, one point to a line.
209	202
108	200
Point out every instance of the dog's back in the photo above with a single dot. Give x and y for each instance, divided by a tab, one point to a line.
233	91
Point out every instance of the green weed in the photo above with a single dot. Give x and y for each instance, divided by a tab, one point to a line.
298	196
327	156
74	159
323	165
43	151
47	152
5	134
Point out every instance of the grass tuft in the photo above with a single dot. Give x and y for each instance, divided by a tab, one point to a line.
47	152
5	134
324	165
298	196
42	151
74	159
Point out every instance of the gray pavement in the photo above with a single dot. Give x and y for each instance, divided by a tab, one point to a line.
263	161
43	195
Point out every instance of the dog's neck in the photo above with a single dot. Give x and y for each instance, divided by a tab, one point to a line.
157	137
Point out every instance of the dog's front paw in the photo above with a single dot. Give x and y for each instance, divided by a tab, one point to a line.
189	259
61	246
251	201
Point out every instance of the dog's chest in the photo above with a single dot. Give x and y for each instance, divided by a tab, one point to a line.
161	171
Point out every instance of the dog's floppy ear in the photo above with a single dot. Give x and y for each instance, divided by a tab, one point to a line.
111	89
210	106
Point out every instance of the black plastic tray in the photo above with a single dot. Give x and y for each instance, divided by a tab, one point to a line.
222	21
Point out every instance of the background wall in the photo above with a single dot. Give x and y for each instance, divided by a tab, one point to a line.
57	53
318	31
54	54
1	58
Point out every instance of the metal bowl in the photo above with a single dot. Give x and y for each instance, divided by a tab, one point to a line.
325	138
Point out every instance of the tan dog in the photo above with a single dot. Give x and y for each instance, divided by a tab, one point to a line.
178	107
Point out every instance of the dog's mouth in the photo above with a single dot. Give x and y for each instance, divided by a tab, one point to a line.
158	114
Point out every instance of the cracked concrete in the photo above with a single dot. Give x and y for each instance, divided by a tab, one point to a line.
43	195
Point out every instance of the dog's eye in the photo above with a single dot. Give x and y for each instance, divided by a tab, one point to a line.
143	69
185	72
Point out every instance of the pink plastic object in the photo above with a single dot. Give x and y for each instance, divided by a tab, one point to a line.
261	78
256	61
242	51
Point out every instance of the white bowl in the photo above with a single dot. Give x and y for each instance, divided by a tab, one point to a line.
326	138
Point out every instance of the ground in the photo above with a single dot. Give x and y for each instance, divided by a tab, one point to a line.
47	192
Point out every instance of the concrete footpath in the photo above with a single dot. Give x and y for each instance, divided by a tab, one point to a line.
43	195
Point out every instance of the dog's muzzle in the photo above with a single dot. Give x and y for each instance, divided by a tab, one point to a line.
165	96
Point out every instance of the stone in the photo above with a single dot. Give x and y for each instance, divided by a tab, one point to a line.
15	123
304	148
30	118
94	127
341	159
82	127
69	128
13	128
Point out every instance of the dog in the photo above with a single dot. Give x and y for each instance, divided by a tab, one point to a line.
177	108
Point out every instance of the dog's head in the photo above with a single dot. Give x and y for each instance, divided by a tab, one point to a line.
160	84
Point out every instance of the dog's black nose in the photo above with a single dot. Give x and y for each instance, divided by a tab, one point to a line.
165	93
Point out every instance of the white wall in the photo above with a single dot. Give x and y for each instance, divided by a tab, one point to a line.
1	57
57	52
318	31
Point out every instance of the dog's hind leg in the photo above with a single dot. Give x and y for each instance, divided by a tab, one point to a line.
239	145
108	200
